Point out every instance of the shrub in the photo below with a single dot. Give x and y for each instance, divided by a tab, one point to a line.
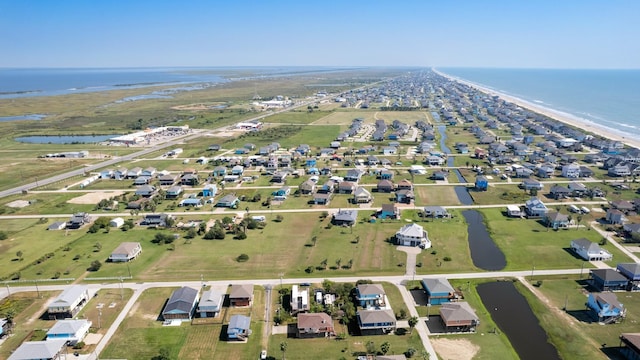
95	266
446	258
79	345
309	269
241	236
242	258
3	235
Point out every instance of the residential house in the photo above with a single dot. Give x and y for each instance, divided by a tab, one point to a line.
585	172
632	231
126	251
372	322
458	317
347	187
385	186
623	205
189	179
353	175
436	212
237	170
181	304
559	192
167	180
159	220
229	201
141	180
389	211
241	295
630	346
590	251
239	328
173	192
362	196
58	225
546	171
404	196
210	190
404	184
73	331
605	307
210	303
120	173
307	187
146	190
608	280
632	272
371	296
438	290
321	198
39	350
577	189
413	235
149	172
312	325
219	171
481	183
619	170
279	177
133	173
514	211
523	172
281	194
440	175
345	217
299	300
68	303
571	171
615	217
556	220
386	174
531	184
535	208
78	220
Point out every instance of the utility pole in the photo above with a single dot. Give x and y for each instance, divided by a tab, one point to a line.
100	319
37	290
121	289
8	291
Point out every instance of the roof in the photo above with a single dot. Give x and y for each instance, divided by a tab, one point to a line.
391	357
557	217
632	268
69	295
632	339
126	248
389	207
438	285
608	275
458	311
412	230
608	298
376	316
346	215
68	326
370	289
241	291
181	301
38	349
362	192
586	244
239	322
228	199
211	298
314	320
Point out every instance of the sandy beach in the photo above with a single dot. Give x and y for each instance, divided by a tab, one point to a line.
554	114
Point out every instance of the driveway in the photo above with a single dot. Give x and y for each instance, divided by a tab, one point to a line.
412	254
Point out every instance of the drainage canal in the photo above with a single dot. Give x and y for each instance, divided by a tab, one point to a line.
485	254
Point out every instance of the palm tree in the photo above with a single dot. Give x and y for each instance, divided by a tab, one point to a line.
413	321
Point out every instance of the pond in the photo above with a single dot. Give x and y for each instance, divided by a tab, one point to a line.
485	254
64	139
23	117
511	312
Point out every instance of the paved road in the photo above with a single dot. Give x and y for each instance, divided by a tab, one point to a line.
608	235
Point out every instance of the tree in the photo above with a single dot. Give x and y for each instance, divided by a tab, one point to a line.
19	254
323	263
3	235
350	264
191	233
384	348
533	192
338	263
279	218
242	258
163	355
95	266
413	321
314	240
97	247
283	348
578	220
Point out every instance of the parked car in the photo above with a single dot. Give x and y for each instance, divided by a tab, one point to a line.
263	354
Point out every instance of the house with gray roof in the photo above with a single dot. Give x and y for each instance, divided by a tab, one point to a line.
590	251
126	251
69	302
210	303
458	317
413	235
239	328
73	331
181	304
37	350
241	295
438	290
345	217
374	322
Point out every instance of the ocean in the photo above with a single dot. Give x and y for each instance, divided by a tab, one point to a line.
607	98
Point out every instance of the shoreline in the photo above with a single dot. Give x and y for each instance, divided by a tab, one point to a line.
556	115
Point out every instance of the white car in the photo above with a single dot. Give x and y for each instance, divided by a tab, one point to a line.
263	355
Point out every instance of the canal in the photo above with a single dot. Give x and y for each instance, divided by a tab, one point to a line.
485	254
461	191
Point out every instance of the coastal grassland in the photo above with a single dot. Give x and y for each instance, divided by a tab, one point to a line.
456	134
448	239
301	116
493	345
527	243
345	117
441	195
394	296
500	194
288	136
463	160
141	334
335	349
577	336
26	307
14	172
45	203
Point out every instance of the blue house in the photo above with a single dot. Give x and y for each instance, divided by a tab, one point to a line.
230	201
281	193
608	280
632	272
313	171
209	190
388	211
605	307
370	295
439	290
239	327
481	183
219	171
73	331
311	162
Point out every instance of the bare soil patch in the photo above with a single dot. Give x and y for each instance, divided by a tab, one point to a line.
18	204
458	349
94	197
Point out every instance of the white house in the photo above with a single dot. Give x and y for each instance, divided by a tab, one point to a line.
535	208
513	211
69	303
116	222
47	349
73	331
413	235
126	251
571	171
299	299
590	251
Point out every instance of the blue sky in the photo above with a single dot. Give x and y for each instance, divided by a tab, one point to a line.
492	33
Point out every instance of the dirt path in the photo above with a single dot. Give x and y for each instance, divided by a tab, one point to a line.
458	349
